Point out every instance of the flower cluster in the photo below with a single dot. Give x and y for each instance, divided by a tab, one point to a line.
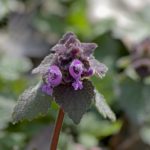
70	62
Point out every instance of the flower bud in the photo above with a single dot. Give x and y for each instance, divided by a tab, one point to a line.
76	69
88	72
77	85
54	76
47	89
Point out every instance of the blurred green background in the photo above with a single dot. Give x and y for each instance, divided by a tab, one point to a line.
121	28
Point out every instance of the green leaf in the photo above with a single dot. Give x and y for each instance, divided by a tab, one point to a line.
32	103
134	99
103	107
74	103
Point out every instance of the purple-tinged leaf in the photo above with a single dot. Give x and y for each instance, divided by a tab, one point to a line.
66	37
74	103
71	42
99	68
59	48
88	48
45	64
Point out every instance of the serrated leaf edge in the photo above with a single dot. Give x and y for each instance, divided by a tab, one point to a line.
110	114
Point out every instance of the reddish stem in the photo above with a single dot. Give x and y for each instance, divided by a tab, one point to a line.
57	129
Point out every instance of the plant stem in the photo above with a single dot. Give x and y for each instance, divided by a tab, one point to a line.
57	129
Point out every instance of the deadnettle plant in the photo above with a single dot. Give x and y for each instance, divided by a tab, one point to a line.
65	73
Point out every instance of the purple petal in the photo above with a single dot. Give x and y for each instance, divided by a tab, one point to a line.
76	69
90	72
77	85
47	89
54	75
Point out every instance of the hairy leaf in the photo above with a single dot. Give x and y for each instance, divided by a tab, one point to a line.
43	67
103	107
88	48
74	103
99	68
66	37
58	48
31	104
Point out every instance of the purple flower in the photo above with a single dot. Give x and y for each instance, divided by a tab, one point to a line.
76	69
47	89
54	76
70	63
77	85
89	72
